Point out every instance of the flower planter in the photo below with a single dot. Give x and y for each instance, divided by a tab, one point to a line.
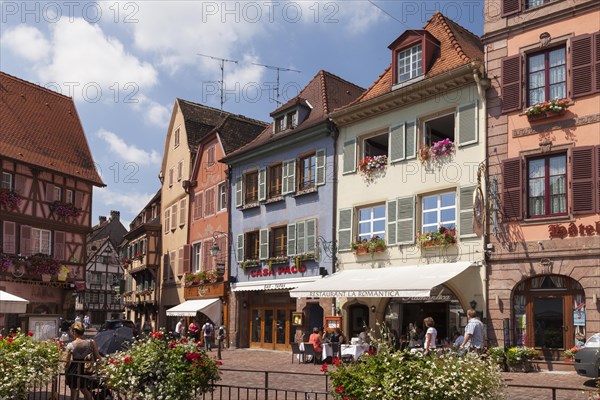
46	277
361	251
525	366
544	116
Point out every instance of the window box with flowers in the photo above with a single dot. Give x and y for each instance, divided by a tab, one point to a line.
374	245
42	264
548	109
126	262
437	151
65	209
371	167
251	263
9	199
569	355
442	237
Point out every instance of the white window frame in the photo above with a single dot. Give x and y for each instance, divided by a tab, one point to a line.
37	241
70	196
196	257
7	181
57	193
221	196
372	220
405	56
439	210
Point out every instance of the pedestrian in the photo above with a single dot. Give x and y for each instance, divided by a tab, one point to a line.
207	330
221	335
430	335
179	329
473	339
77	350
194	330
147	327
86	321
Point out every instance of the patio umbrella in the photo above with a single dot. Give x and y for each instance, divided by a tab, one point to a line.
11	304
113	340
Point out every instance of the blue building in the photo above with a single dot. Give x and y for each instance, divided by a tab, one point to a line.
283	216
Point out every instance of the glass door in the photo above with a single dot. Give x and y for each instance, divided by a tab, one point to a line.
548	313
281	329
268	330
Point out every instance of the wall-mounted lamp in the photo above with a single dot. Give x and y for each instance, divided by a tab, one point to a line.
244	304
373	308
214	249
473	304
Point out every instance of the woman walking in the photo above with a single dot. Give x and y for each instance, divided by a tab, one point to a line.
77	350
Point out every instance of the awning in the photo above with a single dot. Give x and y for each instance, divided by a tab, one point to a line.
404	281
274	284
209	307
11	304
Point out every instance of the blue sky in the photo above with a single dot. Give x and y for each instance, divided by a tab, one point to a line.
124	63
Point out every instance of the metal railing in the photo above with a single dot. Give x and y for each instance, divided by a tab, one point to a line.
554	390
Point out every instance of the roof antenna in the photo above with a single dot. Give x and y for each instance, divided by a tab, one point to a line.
278	69
221	82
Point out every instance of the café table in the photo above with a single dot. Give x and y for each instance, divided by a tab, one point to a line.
327	350
354	350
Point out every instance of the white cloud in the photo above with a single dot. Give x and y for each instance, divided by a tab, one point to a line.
155	114
359	16
131	202
27	42
127	152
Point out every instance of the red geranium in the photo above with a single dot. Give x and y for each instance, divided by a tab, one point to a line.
339	389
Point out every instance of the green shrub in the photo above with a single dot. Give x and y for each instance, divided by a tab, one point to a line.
518	355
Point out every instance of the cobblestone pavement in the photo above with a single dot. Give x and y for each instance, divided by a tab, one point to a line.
277	370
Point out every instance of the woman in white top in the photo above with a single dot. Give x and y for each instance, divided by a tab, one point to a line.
430	335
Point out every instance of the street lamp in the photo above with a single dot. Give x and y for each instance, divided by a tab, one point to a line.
214	249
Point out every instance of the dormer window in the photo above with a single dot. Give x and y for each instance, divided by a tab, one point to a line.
410	63
279	124
291	120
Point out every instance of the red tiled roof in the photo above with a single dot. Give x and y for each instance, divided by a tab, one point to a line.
42	128
458	47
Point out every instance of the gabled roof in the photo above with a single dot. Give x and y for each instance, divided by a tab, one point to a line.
458	47
111	229
42	128
324	93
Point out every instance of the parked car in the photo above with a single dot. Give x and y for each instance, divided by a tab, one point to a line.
112	324
587	360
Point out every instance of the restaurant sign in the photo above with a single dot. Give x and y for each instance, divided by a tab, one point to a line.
283	270
361	293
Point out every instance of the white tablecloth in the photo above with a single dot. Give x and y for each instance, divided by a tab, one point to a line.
327	351
354	350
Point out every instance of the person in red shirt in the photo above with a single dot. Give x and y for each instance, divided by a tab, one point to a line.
316	340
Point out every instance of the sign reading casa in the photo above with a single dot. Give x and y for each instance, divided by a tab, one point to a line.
283	270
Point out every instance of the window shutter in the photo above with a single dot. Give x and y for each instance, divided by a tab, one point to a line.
511	83
240	248
411	139
392	221
311	235
198	205
172	260
512	197
206	257
510	7
165	267
301	237
291	240
49	192
582	75
468	123
167	219
187	255
582	180
78	199
238	191
25	245
20	184
9	237
349	158
174	216
292	176
263	250
288	186
59	245
597	63
321	159
406	220
345	229
262	183
180	262
465	221
182	212
397	140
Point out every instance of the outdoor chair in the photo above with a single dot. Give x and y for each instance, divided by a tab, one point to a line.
297	352
309	350
335	349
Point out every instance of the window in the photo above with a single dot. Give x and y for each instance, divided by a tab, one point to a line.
70	196
222	200
176	138
279	242
307	172
57	193
251	188
210	156
376	146
40	241
198	205
170	177
7	179
291	120
182	211
535	3
209	200
252	246
438	129
279	124
547	185
179	170
546	76
438	210
275	180
167	222
371	222
410	63
174	216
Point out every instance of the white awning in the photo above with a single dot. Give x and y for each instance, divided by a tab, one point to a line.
403	281
11	304
274	284
209	307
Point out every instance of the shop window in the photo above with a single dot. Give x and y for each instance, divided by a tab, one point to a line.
546	76
438	129
251	245
438	210
307	172
410	63
376	145
547	186
275	181
371	222
251	187
278	244
7	180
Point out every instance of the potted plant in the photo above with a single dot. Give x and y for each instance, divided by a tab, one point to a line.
373	245
360	246
519	358
442	237
436	150
547	109
569	355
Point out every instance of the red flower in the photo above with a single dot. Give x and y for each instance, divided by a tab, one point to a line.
9	340
339	389
184	340
127	360
29	333
371	352
172	344
192	356
335	361
157	335
324	367
219	362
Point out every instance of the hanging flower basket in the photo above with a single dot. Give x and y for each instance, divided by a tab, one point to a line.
442	237
10	199
370	167
65	209
43	264
548	109
436	151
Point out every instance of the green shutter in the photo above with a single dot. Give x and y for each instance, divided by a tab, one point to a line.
349	156
262	184
345	229
292	176
411	140
311	235
238	191
263	250
397	140
406	220
468	123
291	240
465	222
300	238
392	221
321	159
240	248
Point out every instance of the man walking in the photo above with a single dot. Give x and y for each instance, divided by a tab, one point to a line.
179	329
207	330
473	339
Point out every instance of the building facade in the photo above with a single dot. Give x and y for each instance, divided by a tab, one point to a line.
544	163
282	215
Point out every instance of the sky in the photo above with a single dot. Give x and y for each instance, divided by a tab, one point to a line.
125	62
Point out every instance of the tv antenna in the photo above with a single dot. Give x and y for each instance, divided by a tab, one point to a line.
278	69
221	82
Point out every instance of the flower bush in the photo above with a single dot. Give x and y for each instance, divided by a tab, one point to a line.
10	198
25	363
43	264
65	209
519	355
388	375
370	166
571	352
553	106
436	150
375	244
442	237
158	368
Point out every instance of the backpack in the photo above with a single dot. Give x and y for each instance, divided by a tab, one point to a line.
207	329
221	333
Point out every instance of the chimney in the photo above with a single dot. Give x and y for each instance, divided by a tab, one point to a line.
115	215
102	219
